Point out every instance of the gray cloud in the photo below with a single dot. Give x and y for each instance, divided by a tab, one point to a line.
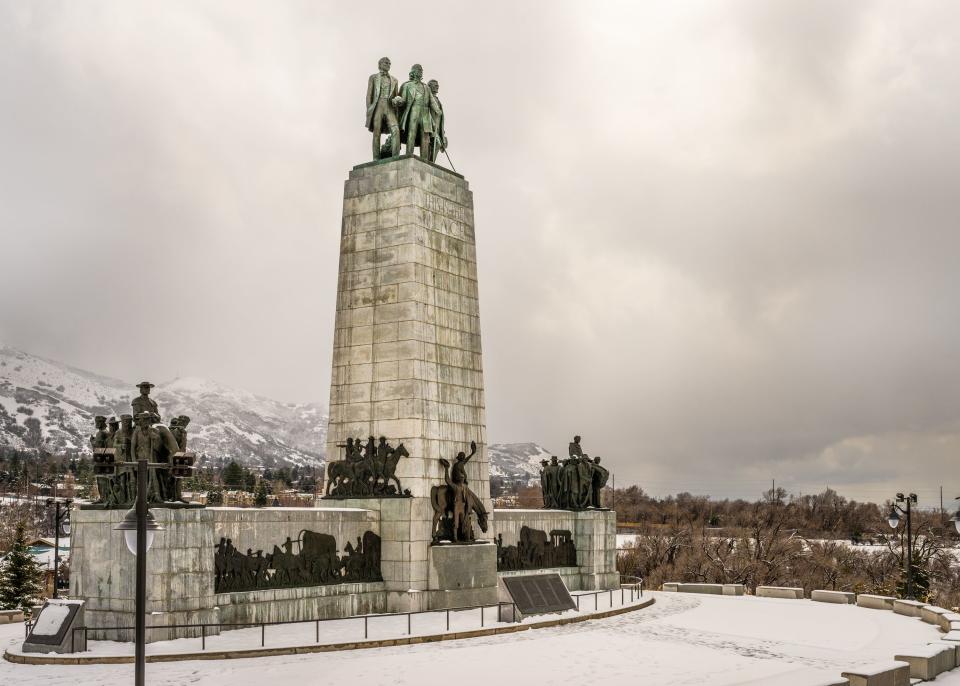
718	241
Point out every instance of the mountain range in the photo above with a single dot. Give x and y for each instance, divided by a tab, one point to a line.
50	406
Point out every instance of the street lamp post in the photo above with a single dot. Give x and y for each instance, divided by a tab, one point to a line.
59	521
893	519
138	529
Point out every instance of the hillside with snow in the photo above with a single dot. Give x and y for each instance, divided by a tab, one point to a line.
51	405
517	461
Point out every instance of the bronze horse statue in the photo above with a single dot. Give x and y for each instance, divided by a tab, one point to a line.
368	476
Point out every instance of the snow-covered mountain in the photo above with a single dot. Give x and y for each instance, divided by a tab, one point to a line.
52	405
517	461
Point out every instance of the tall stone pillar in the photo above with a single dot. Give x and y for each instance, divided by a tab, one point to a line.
407	358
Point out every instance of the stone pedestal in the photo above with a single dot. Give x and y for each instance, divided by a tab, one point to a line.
463	575
180	572
407	357
594	535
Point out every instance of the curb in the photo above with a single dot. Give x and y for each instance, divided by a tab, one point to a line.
38	659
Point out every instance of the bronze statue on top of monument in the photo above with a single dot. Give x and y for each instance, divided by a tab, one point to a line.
574	484
410	114
116	453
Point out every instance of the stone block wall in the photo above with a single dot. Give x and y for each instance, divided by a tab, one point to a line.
407	360
306	603
594	535
181	575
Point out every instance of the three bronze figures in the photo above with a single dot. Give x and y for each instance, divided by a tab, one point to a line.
410	114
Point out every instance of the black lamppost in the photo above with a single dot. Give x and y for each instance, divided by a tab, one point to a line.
138	529
893	519
58	523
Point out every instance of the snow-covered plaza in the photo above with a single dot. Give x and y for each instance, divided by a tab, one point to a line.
681	639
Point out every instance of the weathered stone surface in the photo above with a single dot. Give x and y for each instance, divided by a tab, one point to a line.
594	534
453	569
926	662
840	597
180	570
779	592
875	602
880	674
407	361
908	608
11	616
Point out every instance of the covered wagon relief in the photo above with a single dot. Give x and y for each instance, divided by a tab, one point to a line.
312	559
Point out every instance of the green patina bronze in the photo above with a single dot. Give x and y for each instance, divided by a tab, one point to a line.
410	114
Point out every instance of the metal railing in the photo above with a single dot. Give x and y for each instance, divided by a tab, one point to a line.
635	592
366	619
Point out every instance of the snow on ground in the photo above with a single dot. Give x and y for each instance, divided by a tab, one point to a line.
682	639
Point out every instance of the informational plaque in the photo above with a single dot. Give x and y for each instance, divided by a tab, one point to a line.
539	594
52	632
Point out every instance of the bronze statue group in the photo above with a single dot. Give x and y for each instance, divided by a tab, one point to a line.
411	113
366	470
574	484
136	436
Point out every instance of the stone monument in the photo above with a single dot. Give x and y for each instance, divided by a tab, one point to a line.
407	358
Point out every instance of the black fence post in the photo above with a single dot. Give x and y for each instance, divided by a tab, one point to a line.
263	635
481	616
318	631
203	637
365	634
578	602
408	624
448	619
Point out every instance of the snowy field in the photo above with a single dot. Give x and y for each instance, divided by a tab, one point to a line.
682	639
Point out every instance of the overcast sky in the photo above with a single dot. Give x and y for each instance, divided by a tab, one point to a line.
717	239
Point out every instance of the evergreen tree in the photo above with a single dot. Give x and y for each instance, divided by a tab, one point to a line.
21	578
260	499
232	475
